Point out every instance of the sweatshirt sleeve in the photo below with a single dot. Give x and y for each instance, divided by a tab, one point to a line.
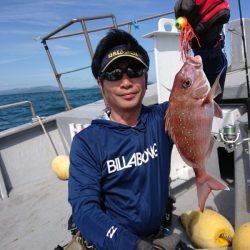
85	198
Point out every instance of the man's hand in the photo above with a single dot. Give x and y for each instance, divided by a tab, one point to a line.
206	18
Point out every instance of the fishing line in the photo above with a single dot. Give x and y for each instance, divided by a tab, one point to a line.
246	65
244	48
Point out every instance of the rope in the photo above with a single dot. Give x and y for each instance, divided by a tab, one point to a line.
47	135
227	237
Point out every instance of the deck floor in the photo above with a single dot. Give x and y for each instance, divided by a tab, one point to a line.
36	215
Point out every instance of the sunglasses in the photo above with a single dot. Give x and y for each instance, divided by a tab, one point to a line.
118	73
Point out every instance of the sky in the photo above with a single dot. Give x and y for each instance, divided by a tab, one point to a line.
23	60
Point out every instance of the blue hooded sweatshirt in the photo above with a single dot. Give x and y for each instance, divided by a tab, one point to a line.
118	184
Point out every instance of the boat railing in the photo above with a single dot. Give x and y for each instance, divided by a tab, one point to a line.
22	103
54	35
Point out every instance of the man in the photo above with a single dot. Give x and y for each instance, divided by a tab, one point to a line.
118	178
118	185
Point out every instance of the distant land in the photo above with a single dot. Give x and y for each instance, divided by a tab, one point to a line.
37	89
40	89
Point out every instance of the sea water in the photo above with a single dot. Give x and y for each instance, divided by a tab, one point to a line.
45	104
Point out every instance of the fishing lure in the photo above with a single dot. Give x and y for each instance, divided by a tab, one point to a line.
186	36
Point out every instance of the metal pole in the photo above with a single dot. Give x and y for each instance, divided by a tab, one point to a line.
84	28
114	22
246	65
16	104
86	32
53	35
56	75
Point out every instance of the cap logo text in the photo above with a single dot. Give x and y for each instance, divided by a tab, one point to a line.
122	52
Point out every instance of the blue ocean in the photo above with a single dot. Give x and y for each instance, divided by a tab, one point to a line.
45	104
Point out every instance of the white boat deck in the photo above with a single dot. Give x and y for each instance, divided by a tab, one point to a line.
35	216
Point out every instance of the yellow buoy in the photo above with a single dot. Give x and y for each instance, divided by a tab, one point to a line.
241	239
207	229
60	166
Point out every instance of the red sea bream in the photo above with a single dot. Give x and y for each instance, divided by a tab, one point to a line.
189	120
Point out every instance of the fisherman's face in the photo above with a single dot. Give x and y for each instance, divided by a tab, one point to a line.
125	94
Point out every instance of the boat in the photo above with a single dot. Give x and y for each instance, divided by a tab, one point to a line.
34	208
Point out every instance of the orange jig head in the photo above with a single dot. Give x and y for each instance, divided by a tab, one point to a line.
186	36
181	23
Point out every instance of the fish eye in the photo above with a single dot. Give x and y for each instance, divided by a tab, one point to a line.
187	83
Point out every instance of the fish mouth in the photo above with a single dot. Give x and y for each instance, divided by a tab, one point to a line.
195	61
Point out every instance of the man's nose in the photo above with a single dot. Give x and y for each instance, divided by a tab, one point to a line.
126	81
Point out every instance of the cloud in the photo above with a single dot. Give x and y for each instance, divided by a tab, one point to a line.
13	60
62	50
42	13
19	32
52	13
20	49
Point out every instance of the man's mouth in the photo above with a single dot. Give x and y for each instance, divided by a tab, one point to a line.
129	95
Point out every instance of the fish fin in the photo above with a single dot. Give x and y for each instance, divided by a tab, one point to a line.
216	88
166	118
205	186
166	88
168	121
217	110
209	151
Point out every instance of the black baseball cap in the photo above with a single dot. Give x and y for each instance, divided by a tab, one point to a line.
117	44
119	51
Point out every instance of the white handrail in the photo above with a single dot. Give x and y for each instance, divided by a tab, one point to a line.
15	104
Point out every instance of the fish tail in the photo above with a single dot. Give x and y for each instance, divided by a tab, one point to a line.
204	188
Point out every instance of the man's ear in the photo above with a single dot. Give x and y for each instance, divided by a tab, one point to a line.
99	81
100	84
